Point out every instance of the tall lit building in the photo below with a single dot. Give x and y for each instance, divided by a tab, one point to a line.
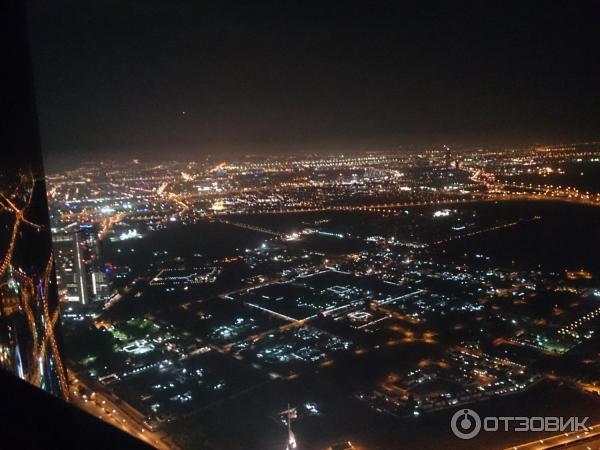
71	270
79	265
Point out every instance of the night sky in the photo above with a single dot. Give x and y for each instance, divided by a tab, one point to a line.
182	79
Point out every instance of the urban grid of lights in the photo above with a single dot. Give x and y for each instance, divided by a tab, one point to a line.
33	294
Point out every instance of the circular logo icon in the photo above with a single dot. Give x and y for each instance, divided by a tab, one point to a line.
465	424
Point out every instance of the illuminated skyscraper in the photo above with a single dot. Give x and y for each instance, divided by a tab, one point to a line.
79	265
71	269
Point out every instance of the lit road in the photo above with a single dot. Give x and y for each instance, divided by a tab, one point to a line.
485	230
579	440
388	207
227	295
104	406
251	227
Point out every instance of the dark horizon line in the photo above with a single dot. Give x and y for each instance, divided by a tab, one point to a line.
53	163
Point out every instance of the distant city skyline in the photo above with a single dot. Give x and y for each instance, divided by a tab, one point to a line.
333	302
